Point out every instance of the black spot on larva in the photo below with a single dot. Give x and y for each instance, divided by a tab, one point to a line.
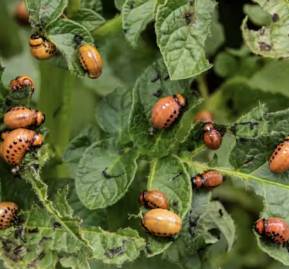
15	142
7	151
275	17
10	146
264	46
175	112
171	116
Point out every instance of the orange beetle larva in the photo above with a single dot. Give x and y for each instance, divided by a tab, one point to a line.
90	60
21	12
208	179
20	82
17	142
166	110
162	222
154	199
204	116
23	117
8	213
279	160
273	228
41	48
212	138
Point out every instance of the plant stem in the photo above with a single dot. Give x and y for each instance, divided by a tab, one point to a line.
203	87
109	28
72	8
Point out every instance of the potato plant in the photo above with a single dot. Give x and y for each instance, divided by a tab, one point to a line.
78	192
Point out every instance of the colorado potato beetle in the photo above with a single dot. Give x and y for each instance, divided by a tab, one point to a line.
279	160
204	116
212	137
21	12
17	142
8	213
166	110
209	179
41	48
22	117
274	229
162	222
20	82
153	199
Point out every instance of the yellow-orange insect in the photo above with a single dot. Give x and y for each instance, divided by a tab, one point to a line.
279	160
90	60
41	48
21	12
8	213
16	143
20	82
154	199
162	222
23	117
166	110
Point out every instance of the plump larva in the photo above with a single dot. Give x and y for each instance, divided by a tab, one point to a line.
209	179
20	82
204	116
90	60
166	110
41	48
154	199
212	138
279	160
16	143
23	117
162	222
21	12
8	213
274	229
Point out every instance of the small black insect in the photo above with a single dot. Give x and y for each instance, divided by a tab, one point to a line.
110	253
56	225
221	212
106	175
176	176
158	93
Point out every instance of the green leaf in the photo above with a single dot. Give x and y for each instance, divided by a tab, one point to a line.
182	28
114	248
94	5
257	15
153	81
32	176
236	97
88	18
256	176
269	41
170	176
119	4
217	37
42	13
272	78
62	33
197	233
77	146
136	15
112	113
94	188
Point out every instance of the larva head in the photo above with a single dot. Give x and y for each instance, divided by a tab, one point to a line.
4	135
37	140
181	100
260	226
40	118
35	40
141	198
